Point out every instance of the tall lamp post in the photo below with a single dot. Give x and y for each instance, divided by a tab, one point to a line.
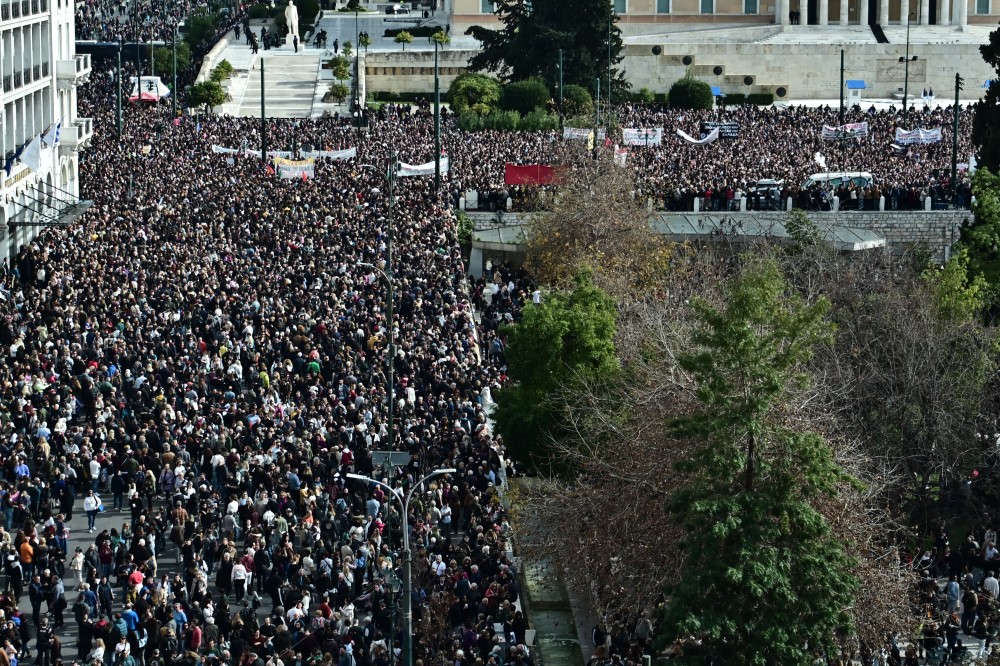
404	503
437	121
906	69
173	92
390	177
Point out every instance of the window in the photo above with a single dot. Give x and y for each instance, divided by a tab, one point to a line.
621	6
707	6
750	6
662	6
982	6
486	6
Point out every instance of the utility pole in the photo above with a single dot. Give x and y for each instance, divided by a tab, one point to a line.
391	371
173	95
118	94
841	87
954	136
562	113
263	117
597	104
437	121
611	15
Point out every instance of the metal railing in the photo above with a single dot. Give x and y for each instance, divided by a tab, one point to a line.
8	83
18	79
45	69
15	10
5	12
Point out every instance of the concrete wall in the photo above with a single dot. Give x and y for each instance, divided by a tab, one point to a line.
810	71
412	71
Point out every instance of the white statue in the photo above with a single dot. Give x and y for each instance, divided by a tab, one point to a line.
292	18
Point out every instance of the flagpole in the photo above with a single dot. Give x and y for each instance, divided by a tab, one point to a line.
437	121
263	116
118	95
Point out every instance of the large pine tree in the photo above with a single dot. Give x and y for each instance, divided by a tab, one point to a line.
532	33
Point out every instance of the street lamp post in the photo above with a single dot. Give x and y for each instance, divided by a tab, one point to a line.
390	176
906	69
118	94
173	92
404	503
437	121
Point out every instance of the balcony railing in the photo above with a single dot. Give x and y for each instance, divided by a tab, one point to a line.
18	79
8	83
36	72
45	69
4	12
15	10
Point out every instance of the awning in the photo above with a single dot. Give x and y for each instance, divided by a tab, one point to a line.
717	92
855	84
46	210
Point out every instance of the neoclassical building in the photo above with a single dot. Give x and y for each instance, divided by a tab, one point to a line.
40	73
651	16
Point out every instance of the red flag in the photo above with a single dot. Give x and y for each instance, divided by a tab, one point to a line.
269	170
530	174
304	177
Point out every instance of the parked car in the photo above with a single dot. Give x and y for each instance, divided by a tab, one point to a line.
397	9
833	179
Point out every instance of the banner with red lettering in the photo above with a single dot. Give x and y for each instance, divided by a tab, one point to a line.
529	174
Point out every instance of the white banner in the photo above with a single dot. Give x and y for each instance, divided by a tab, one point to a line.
288	169
848	131
578	133
709	138
348	154
649	136
151	88
621	154
426	169
904	137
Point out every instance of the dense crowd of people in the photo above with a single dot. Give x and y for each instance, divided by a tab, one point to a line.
205	356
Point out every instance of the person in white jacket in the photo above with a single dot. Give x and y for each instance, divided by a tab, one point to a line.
91	505
240	581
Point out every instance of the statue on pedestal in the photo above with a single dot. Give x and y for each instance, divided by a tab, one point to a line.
292	19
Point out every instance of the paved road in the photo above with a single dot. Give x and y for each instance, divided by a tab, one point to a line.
79	537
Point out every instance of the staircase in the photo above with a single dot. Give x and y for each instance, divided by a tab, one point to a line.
291	85
878	33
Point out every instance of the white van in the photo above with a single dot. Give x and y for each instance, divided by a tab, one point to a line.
833	179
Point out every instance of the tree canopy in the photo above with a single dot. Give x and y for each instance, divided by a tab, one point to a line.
566	338
534	31
986	122
765	580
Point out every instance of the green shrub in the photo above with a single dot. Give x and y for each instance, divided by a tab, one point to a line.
539	120
661	98
690	93
473	90
735	99
761	98
404	38
222	71
258	12
422	31
644	96
524	96
470	121
577	100
339	91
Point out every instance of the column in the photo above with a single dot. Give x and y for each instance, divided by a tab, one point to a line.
925	7
804	12
904	13
824	12
963	13
883	13
782	6
843	11
863	13
945	9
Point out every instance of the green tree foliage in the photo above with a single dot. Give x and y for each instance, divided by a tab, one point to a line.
986	122
524	96
221	71
163	58
348	48
567	338
200	28
441	38
365	41
404	38
207	93
982	236
958	295
532	33
470	89
690	93
340	67
508	121
764	580
338	91
577	101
